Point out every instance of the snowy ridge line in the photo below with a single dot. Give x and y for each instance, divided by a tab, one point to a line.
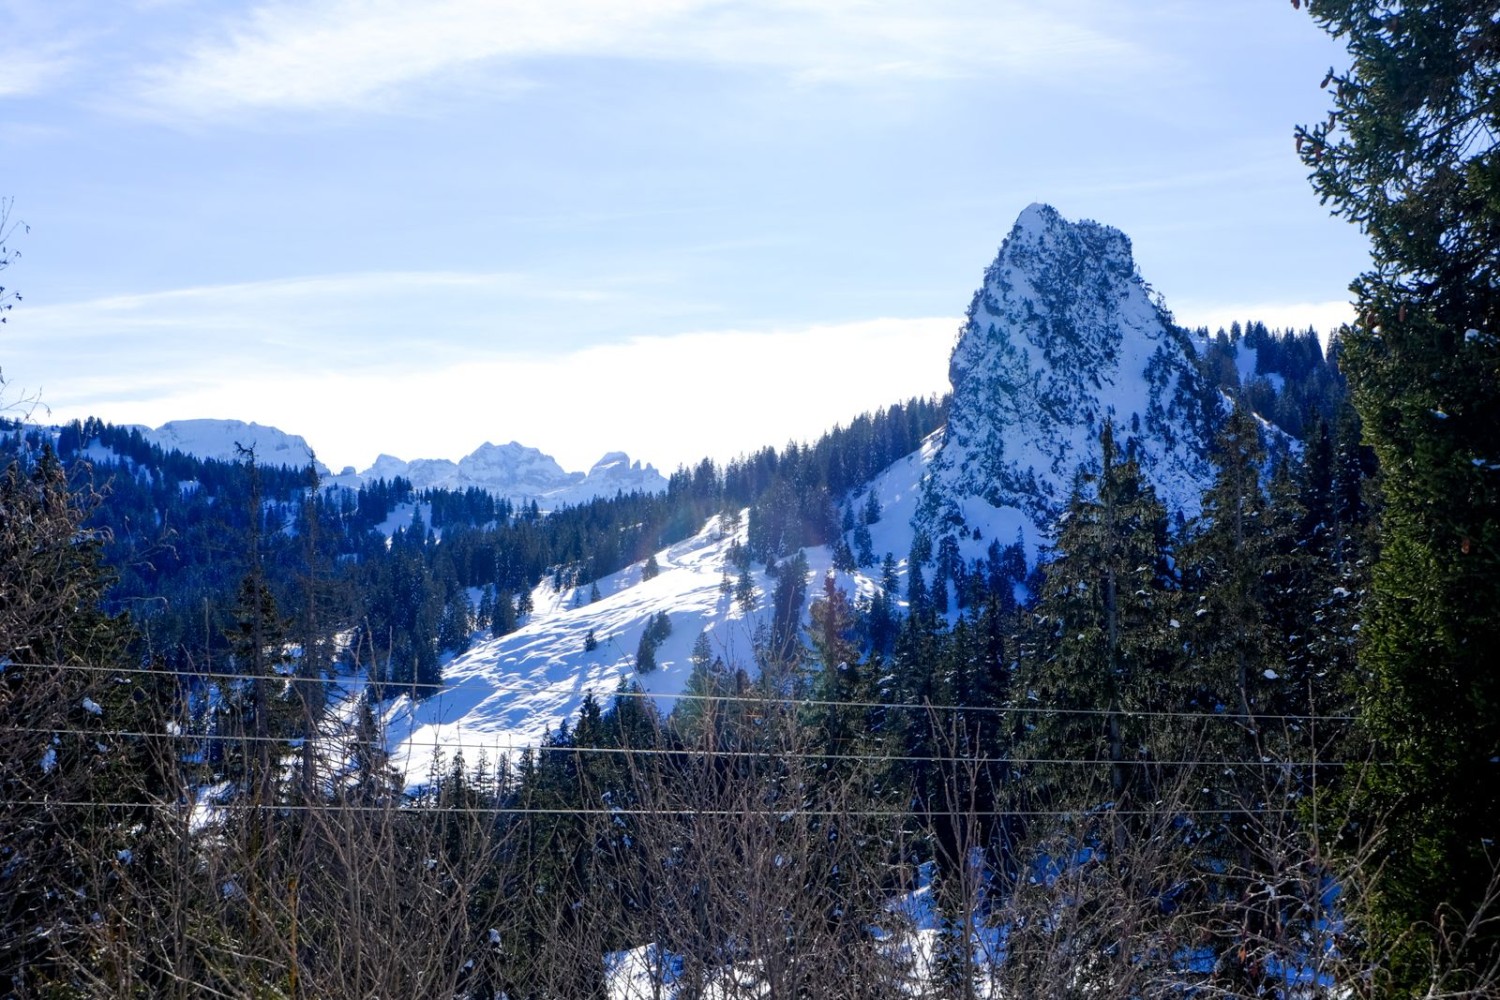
738	754
745	699
415	808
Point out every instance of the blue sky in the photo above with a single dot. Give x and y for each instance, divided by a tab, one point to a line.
673	227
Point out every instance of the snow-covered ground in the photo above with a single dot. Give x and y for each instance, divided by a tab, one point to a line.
505	694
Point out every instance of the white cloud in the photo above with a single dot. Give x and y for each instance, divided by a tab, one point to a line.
666	400
343	53
362	320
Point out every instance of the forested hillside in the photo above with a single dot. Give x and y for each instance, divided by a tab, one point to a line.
890	787
412	575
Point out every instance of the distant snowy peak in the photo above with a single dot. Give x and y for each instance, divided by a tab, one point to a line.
526	470
616	473
223	439
1064	335
513	471
385	467
613	463
521	474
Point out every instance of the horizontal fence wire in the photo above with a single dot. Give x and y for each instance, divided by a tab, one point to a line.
747	699
295	742
415	807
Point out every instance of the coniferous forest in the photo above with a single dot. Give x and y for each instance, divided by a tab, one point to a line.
1246	753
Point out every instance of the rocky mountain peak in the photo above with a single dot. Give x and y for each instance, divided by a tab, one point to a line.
1063	335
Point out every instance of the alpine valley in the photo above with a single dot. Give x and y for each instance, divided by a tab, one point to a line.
1145	662
485	599
1117	548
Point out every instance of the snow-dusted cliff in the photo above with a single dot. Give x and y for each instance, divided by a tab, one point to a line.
1064	335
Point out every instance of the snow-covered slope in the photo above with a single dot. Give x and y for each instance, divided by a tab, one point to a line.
222	439
505	693
1064	335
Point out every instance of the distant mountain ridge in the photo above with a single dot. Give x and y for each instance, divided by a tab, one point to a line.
221	440
517	472
512	471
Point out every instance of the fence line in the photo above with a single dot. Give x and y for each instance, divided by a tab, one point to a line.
416	807
293	679
294	742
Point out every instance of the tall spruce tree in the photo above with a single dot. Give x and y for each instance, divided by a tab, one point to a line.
1103	645
71	733
840	674
1235	645
1408	153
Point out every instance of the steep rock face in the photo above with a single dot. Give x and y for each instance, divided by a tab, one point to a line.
1064	335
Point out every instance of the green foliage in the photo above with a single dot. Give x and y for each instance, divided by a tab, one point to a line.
781	653
1231	552
456	626
703	653
1408	154
791	494
703	717
71	730
1293	385
1103	648
655	633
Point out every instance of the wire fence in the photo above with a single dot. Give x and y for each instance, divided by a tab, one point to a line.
783	814
980	759
513	686
341	739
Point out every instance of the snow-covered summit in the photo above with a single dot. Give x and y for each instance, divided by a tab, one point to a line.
520	474
221	440
1063	335
614	473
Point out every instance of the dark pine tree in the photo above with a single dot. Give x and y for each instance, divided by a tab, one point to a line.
1408	154
1103	648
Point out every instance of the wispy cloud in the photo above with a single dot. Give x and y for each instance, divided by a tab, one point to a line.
30	62
364	320
363	53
